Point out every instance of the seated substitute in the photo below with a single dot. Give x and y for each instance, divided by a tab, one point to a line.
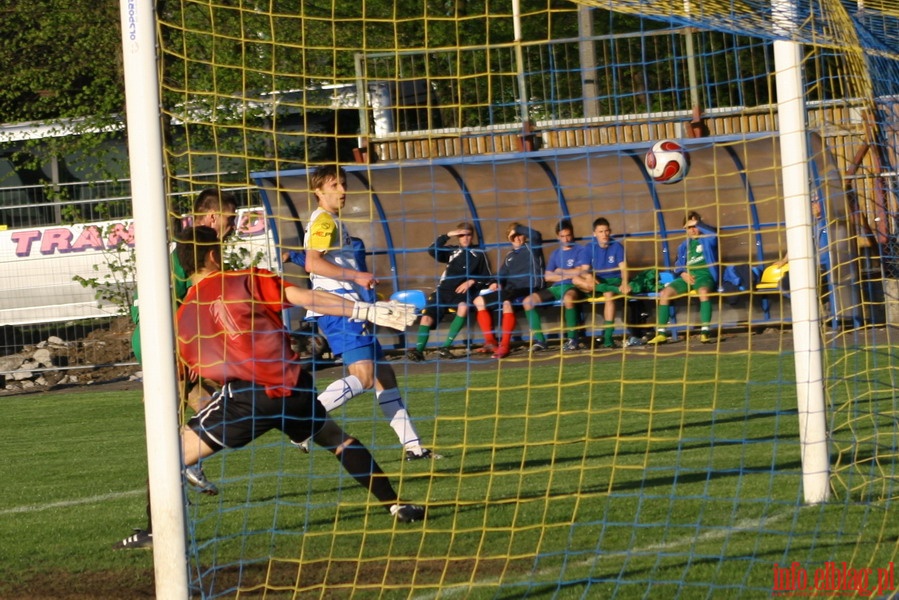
608	277
566	262
710	234
467	273
230	331
520	275
695	268
820	243
826	279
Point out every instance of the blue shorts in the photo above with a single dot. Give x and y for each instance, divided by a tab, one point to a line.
349	339
371	352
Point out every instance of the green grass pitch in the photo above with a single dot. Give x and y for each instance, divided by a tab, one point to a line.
674	477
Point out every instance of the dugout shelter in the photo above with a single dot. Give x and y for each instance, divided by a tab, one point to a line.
734	182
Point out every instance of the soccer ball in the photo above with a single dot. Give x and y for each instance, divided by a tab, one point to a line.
667	162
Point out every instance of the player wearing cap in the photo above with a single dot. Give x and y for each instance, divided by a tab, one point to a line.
520	275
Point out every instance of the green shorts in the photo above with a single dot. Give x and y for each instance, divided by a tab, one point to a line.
703	280
554	292
610	284
559	289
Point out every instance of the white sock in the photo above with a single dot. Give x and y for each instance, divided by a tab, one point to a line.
392	406
339	392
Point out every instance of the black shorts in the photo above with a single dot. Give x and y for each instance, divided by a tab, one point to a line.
497	297
442	300
242	411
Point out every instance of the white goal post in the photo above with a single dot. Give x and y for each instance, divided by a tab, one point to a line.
806	318
138	21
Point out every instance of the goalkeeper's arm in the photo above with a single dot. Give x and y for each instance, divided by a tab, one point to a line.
395	315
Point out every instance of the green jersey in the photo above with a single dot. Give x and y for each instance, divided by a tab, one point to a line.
695	256
182	284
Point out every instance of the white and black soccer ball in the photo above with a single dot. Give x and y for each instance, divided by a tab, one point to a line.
667	162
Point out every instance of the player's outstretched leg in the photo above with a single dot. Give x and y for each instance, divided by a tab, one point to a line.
141	539
358	462
197	478
340	392
337	394
393	407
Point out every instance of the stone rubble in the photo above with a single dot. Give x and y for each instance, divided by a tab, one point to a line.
102	356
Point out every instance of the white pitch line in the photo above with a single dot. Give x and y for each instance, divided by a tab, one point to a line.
18	510
745	526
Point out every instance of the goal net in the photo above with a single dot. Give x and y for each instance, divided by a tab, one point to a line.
612	467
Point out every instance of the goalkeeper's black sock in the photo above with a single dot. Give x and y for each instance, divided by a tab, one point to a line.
359	463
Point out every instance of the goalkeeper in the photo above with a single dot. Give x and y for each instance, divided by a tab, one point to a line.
230	331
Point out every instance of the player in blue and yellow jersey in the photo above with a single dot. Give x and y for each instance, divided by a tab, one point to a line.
330	259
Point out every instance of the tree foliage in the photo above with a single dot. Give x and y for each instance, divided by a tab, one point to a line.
231	87
60	59
242	80
62	66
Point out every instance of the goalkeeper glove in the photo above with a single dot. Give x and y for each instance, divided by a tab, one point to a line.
393	314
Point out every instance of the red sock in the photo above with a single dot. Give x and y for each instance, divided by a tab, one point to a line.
508	328
486	324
